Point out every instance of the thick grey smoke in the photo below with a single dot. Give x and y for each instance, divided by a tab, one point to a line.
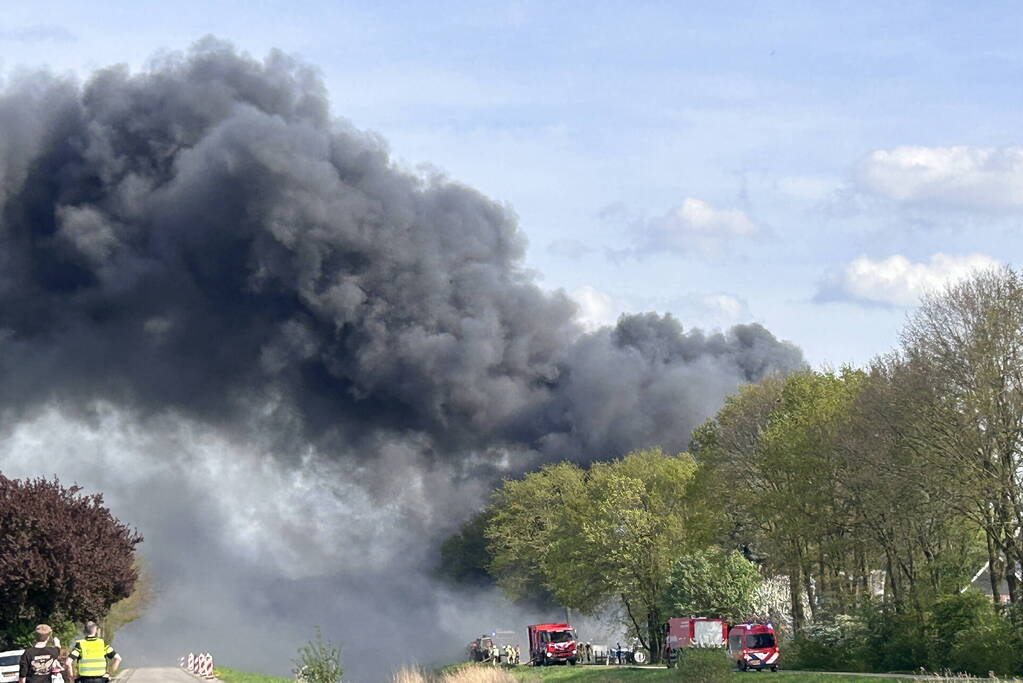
202	244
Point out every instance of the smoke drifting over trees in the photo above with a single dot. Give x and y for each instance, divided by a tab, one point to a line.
204	242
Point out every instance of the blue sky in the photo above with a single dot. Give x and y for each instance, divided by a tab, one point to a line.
810	166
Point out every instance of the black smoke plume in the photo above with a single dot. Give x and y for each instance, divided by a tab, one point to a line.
203	243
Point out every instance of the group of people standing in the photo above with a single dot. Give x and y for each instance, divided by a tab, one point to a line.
483	650
509	654
90	660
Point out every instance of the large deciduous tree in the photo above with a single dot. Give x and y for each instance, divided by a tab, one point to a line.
968	342
604	537
528	519
900	519
63	555
713	582
463	555
769	457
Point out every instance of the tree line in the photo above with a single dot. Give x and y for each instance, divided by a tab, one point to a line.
874	494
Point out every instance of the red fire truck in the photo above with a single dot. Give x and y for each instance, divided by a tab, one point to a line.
690	631
551	644
753	646
686	632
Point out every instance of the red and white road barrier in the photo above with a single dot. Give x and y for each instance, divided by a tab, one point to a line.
199	664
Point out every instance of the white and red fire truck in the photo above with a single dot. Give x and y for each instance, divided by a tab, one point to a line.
750	645
753	646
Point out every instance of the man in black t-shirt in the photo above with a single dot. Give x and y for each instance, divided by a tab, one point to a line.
38	661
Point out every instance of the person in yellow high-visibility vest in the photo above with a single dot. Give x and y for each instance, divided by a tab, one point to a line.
88	658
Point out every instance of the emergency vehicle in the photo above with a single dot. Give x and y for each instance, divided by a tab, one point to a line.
481	650
753	646
685	632
552	644
698	631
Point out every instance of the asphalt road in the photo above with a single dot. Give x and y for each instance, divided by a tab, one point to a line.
156	675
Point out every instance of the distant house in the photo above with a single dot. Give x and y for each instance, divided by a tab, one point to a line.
982	583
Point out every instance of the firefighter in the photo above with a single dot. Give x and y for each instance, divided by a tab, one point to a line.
88	658
518	655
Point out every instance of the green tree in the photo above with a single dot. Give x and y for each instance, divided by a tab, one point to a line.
606	536
463	555
900	518
712	582
528	518
770	455
968	342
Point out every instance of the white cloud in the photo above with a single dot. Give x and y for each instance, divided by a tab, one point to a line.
707	311
698	217
694	226
897	281
726	306
596	308
989	179
711	311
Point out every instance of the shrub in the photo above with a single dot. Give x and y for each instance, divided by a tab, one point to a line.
893	641
990	644
952	614
22	633
834	644
318	661
706	664
805	652
874	638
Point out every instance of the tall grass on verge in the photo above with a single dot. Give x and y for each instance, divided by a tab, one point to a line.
408	675
467	674
949	677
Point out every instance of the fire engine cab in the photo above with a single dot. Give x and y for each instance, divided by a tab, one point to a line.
552	644
753	646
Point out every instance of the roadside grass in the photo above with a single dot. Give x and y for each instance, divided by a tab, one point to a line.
457	673
599	674
235	676
468	673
